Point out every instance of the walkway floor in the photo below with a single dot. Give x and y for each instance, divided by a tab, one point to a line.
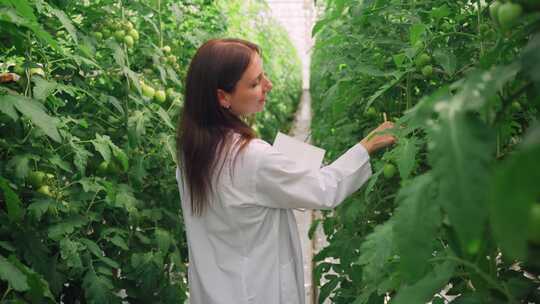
300	131
297	16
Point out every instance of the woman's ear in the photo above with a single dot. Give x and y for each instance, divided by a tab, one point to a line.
223	98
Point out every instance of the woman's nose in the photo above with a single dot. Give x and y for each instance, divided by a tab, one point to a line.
268	85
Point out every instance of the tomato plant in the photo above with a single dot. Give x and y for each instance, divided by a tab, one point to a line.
89	204
467	99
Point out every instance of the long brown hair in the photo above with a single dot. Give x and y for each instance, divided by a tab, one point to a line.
204	127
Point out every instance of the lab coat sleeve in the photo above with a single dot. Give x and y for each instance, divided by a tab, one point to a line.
281	183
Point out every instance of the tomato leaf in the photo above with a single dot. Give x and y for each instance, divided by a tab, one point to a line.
513	192
36	112
163	240
66	23
102	145
423	290
11	274
376	252
447	60
13	202
416	222
417	33
165	118
98	289
43	88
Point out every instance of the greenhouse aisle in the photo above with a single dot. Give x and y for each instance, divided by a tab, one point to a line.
300	131
297	16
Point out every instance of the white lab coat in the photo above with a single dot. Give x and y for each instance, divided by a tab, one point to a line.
246	249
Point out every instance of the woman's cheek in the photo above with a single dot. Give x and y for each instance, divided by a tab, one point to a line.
255	93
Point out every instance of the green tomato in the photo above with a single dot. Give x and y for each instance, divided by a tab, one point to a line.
113	169
516	106
106	32
371	112
37	71
128	40
148	91
36	178
133	33
44	190
494	11
484	28
171	59
102	168
166	49
427	70
49	178
128	26
98	35
418	44
119	35
160	96
389	170
534	224
177	102
508	15
422	60
114	24
170	93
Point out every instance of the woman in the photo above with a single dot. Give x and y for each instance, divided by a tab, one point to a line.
238	192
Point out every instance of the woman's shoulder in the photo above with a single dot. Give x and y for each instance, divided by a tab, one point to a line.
255	144
259	144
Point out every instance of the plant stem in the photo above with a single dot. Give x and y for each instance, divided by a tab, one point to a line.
5	294
478	11
408	92
160	25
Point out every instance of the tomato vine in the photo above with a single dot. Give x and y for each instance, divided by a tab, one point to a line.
461	79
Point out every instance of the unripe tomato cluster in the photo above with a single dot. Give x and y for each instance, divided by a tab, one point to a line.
123	32
168	57
505	15
158	95
422	63
41	181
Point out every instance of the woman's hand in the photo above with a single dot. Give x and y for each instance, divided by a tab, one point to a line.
374	142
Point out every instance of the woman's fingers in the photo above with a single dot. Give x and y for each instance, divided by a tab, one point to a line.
385	140
375	141
386	125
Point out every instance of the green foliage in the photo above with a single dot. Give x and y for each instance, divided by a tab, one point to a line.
465	90
89	204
